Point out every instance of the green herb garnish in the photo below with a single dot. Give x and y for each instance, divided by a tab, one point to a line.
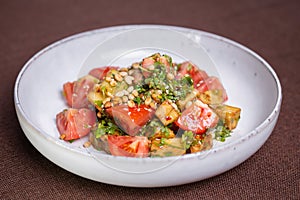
221	132
187	139
106	127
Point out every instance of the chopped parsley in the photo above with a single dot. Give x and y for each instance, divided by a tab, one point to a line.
106	127
137	100
221	132
187	139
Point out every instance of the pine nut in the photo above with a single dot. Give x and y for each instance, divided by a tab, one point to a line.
108	79
125	99
87	144
131	97
135	65
123	74
118	77
135	93
113	82
170	76
129	79
131	104
148	101
130	89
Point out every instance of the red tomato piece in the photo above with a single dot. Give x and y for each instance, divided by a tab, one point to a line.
76	92
189	68
101	72
147	62
197	118
212	83
75	123
163	60
129	146
131	120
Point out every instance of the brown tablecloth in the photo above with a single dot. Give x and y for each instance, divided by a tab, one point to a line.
271	28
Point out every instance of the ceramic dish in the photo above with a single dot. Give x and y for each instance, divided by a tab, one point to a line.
250	82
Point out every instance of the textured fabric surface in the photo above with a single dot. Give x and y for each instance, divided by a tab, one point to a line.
270	27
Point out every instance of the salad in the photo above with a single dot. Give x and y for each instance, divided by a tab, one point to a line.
154	108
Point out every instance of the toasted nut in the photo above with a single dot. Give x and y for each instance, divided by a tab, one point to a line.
87	144
99	114
126	92
135	93
108	79
118	77
131	104
125	69
129	79
153	105
148	101
155	97
158	91
131	97
135	65
120	93
109	94
113	82
117	100
130	72
130	89
125	99
62	136
108	104
123	74
170	76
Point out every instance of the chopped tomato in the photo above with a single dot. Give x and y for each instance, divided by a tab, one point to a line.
163	60
212	83
75	123
189	68
76	92
197	118
130	120
129	146
147	64
101	72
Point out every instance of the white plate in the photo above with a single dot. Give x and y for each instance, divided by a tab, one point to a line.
250	83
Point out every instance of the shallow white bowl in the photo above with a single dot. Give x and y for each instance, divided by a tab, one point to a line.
250	82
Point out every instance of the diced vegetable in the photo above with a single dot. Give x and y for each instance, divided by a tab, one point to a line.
229	114
212	97
201	144
76	92
167	112
188	68
129	146
101	72
155	129
75	123
131	120
217	92
189	98
167	147
197	118
100	143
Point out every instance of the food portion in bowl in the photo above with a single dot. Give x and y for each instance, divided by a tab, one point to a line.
155	108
